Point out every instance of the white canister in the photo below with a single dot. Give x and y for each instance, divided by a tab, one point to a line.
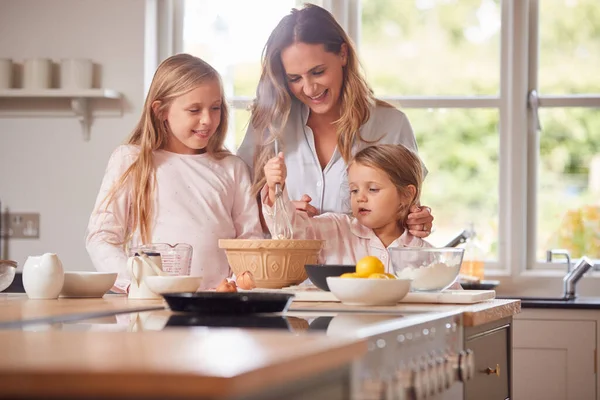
37	73
43	276
76	73
6	73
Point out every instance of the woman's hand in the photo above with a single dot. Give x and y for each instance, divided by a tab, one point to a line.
420	221
304	205
275	173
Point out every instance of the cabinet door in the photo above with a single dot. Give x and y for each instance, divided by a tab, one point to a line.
490	350
554	360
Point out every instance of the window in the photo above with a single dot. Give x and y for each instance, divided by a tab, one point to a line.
476	78
568	158
230	35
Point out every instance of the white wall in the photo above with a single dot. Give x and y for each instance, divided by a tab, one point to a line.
45	165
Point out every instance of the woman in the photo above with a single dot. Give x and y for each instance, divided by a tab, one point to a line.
314	99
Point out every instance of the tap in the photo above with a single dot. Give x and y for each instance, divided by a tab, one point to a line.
573	276
559	252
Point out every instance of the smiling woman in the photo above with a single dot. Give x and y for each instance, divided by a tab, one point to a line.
313	98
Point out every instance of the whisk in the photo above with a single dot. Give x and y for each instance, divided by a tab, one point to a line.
282	226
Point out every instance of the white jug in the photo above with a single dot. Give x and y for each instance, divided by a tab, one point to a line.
139	267
43	276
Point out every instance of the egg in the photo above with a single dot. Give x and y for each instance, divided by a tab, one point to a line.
246	281
226	287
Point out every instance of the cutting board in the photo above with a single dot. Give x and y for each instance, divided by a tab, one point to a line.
445	297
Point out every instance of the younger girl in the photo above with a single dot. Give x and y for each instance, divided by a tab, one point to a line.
174	182
384	182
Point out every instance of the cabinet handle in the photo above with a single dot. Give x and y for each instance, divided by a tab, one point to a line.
490	371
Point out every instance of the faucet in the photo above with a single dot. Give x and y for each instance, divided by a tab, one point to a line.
559	252
573	276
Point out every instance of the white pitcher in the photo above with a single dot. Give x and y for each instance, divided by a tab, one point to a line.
43	276
139	267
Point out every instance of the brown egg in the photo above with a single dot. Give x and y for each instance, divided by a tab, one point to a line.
246	281
227	287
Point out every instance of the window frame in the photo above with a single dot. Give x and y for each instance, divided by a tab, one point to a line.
516	268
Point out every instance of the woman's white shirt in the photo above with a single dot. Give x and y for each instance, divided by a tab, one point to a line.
328	187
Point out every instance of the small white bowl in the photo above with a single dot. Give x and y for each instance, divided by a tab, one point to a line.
368	292
87	283
173	284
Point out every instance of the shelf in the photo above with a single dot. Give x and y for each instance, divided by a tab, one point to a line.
12	104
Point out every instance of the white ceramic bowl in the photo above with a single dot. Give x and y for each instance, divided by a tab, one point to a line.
87	283
173	284
368	292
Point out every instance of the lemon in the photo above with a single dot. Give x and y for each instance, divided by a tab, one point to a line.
379	276
350	275
369	265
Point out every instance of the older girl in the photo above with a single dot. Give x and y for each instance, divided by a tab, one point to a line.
174	181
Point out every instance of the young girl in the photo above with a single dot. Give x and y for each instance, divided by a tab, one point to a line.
384	182
174	181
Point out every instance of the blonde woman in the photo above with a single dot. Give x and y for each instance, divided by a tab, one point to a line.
313	97
174	181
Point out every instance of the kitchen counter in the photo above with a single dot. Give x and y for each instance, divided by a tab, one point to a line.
579	303
17	309
473	314
181	362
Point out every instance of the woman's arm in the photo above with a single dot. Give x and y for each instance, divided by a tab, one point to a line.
108	225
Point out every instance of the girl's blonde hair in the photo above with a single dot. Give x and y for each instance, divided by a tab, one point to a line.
402	166
174	77
271	108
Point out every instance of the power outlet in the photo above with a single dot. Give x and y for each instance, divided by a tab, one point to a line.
21	225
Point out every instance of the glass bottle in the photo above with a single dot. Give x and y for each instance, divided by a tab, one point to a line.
473	259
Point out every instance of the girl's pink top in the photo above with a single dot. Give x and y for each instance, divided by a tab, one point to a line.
198	200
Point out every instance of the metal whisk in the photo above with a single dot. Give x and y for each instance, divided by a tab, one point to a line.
282	226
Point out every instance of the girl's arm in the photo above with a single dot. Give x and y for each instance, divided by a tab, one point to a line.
245	213
328	226
108	224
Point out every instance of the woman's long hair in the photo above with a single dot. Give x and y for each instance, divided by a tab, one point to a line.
271	108
174	77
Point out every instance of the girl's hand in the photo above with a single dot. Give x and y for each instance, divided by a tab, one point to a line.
304	205
420	221
275	173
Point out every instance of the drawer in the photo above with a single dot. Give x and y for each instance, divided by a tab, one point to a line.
491	350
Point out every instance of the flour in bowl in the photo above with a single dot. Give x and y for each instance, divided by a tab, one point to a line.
435	276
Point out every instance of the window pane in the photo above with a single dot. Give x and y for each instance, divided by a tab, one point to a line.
460	149
568	212
569	46
431	47
230	35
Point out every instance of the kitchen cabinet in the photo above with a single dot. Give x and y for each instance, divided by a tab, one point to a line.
555	354
490	345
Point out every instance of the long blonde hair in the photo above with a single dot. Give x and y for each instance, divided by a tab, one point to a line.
402	166
271	108
174	77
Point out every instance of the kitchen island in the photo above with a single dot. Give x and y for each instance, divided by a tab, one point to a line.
77	351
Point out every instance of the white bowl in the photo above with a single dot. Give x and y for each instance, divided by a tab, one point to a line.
87	283
431	269
173	284
368	292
